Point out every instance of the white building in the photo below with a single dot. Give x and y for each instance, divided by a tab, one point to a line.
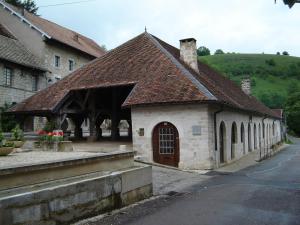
181	112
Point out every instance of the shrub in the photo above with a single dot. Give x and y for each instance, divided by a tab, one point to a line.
7	122
270	62
17	134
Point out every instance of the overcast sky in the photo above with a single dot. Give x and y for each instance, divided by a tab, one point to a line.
244	26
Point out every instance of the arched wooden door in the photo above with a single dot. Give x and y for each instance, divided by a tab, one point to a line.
165	141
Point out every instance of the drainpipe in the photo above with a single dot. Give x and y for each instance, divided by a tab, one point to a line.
215	131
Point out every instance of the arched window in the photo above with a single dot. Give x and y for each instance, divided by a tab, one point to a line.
249	138
255	137
243	137
222	135
234	139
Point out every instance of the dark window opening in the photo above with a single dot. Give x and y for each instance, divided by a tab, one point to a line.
71	65
8	76
57	61
35	82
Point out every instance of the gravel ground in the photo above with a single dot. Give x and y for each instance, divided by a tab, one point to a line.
39	157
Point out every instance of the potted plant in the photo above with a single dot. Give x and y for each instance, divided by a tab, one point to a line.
62	145
5	147
17	137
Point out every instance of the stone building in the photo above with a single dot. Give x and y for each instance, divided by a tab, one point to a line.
180	111
22	73
58	49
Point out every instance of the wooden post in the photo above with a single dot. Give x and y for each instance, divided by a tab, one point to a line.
92	116
115	119
78	120
129	129
99	121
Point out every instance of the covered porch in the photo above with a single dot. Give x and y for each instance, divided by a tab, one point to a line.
92	115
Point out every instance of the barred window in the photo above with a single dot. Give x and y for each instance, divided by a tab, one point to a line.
166	141
8	76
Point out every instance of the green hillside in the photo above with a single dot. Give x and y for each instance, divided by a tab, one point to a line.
273	77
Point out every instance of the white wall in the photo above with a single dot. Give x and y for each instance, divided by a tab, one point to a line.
194	150
198	152
263	143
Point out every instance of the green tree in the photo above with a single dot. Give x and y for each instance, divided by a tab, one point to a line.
203	51
285	53
278	53
292	110
29	5
219	52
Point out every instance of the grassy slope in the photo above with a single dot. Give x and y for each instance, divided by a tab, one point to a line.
277	80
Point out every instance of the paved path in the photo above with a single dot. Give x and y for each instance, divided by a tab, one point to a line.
266	193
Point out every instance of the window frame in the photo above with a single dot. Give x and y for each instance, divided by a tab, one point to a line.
57	63
35	83
73	64
6	83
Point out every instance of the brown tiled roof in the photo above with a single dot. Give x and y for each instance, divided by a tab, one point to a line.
13	51
66	36
157	73
5	32
62	34
278	112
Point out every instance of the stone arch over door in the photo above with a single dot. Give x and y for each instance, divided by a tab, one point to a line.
222	142
234	139
243	138
249	138
165	144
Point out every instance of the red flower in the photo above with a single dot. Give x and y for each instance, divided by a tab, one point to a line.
41	132
50	134
61	133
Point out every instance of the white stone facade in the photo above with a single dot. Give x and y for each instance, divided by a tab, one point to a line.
198	151
194	150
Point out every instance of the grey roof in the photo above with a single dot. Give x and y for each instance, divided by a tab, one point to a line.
13	51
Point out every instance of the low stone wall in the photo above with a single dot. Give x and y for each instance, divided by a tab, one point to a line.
17	176
69	202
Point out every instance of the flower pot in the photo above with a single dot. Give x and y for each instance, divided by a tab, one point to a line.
4	151
37	144
52	146
65	146
18	144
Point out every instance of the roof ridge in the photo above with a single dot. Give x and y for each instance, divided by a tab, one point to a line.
185	72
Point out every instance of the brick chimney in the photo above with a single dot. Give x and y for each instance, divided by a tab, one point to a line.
246	85
188	53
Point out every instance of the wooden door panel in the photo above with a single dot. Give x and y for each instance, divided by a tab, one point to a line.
166	144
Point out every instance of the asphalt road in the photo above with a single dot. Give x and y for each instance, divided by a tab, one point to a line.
267	193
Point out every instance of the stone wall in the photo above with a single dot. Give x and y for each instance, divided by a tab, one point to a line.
72	201
259	142
198	151
194	149
22	83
